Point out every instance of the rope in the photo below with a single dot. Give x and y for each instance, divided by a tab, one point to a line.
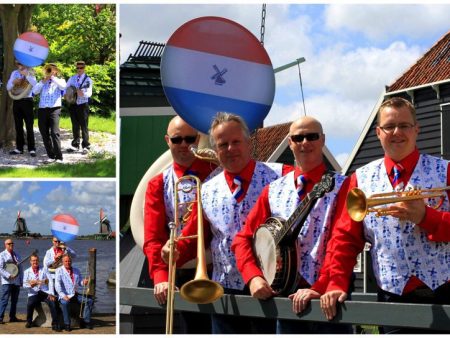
301	87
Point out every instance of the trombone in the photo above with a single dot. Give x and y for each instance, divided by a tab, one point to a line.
358	205
200	290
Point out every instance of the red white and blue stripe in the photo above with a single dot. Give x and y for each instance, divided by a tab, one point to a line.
213	64
65	227
31	49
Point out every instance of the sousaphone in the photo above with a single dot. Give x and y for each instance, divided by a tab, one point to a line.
20	90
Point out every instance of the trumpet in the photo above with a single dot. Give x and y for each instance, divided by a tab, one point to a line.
200	290
50	69
358	205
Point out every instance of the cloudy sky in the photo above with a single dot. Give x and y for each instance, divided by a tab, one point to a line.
39	201
351	52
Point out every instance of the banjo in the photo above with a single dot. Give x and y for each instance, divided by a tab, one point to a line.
274	243
13	268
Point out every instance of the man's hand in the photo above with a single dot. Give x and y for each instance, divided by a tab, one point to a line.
301	298
85	281
51	298
165	252
259	288
33	283
328	302
160	292
413	211
80	93
66	298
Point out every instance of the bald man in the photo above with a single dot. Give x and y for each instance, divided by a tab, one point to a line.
279	199
159	211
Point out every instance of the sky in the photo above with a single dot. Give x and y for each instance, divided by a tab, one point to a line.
39	201
352	52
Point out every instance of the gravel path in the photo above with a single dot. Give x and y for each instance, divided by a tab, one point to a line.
101	143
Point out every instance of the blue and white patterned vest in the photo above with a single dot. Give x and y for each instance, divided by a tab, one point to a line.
312	239
400	249
169	180
226	217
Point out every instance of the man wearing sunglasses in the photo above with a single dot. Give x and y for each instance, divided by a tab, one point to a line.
410	246
159	211
10	285
280	199
227	199
79	111
53	257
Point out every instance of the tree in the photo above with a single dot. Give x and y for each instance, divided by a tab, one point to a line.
15	20
78	32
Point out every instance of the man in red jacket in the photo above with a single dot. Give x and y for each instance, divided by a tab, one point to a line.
410	246
159	211
282	198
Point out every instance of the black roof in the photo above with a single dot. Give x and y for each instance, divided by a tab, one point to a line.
140	79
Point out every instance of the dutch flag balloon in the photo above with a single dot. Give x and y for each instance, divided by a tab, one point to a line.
31	49
65	227
212	64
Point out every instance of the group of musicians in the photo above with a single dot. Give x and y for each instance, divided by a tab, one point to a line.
409	245
56	283
51	89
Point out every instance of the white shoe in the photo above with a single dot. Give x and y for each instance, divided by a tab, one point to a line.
59	161
85	150
32	153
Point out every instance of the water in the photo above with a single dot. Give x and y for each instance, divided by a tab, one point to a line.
106	261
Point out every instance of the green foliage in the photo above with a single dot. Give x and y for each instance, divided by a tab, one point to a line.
103	99
78	31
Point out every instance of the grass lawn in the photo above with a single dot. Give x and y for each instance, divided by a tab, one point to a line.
96	123
99	168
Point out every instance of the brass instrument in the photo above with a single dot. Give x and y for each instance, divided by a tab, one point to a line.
58	262
22	88
200	290
205	154
50	69
84	295
358	205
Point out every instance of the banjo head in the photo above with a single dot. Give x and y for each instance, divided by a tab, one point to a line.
265	251
12	268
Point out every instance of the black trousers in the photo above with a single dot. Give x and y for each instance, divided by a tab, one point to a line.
35	300
48	121
79	115
192	322
419	296
23	112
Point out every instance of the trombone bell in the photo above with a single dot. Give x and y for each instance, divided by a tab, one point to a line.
201	291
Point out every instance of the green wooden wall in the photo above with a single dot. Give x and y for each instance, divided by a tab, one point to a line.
141	143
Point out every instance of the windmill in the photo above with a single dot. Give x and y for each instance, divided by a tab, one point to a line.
20	227
105	231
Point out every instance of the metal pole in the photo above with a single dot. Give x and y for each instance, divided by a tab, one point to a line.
289	65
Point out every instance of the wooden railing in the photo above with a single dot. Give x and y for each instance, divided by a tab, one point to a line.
363	309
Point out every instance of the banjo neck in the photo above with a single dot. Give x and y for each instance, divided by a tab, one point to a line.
291	228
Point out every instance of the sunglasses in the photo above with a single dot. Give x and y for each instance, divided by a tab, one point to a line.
309	137
9	243
179	139
80	67
56	241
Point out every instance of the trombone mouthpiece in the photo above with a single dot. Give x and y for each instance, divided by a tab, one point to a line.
193	149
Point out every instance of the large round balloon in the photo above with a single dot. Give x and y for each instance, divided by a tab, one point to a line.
213	64
65	227
31	49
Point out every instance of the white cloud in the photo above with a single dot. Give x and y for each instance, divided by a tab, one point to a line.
382	22
10	191
34	186
59	194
